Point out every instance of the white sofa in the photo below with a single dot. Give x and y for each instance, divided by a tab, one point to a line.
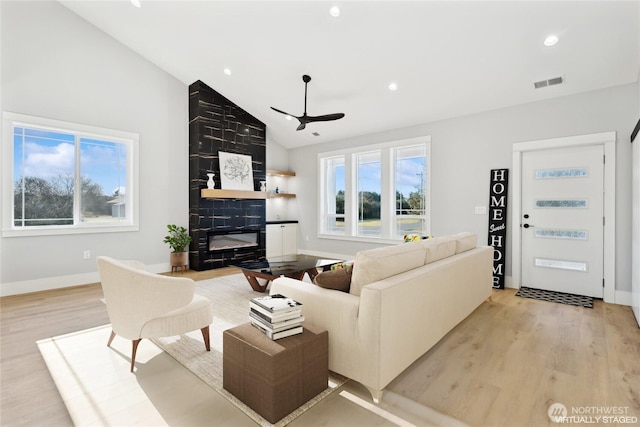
403	299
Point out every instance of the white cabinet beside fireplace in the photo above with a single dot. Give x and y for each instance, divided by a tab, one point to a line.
282	239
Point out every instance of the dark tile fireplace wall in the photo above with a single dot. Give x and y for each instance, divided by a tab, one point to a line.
217	124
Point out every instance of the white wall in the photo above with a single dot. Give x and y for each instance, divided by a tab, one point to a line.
465	149
278	158
56	65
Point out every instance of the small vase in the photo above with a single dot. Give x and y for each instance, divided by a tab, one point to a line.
211	184
263	185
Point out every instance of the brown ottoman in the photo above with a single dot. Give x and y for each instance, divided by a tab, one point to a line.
275	377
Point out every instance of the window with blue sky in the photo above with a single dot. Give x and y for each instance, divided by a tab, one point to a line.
67	176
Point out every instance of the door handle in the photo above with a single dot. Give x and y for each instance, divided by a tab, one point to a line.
527	225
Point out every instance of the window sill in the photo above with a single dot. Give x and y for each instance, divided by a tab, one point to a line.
68	231
361	239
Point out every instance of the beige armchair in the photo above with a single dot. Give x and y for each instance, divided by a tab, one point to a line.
146	305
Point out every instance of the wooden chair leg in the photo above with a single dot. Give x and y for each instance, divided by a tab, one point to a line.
113	335
205	335
133	351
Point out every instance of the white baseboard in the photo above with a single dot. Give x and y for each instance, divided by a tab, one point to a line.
59	282
623	298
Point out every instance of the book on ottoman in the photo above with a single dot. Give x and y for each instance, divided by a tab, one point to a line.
276	316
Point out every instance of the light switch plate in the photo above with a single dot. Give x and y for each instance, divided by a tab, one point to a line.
481	210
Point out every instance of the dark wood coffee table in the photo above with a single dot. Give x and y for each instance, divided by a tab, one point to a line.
294	266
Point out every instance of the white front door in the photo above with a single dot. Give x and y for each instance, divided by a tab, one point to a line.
562	223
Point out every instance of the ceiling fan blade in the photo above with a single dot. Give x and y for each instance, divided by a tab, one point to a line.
282	112
325	118
304	118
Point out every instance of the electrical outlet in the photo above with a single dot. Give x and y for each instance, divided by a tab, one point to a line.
87	254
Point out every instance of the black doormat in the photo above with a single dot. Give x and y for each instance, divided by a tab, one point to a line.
559	297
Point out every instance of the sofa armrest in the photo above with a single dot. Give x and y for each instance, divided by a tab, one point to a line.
320	306
335	311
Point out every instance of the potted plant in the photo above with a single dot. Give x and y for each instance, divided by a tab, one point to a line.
178	239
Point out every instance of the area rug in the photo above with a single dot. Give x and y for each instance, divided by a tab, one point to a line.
78	374
230	295
558	297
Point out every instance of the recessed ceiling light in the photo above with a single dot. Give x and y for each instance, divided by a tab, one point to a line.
551	40
334	11
393	86
227	71
136	3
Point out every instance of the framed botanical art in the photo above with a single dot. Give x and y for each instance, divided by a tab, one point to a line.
236	172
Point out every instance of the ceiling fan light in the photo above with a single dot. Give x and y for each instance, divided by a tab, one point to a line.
288	117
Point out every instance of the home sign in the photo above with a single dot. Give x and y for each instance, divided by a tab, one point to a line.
498	223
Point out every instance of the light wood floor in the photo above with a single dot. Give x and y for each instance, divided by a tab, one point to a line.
503	366
514	357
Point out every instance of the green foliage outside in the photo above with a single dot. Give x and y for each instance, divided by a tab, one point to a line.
369	203
50	202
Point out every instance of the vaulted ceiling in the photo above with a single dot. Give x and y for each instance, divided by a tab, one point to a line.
447	59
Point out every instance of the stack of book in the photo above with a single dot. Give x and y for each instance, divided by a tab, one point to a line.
276	316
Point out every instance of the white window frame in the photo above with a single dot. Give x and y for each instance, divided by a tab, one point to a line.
387	198
131	140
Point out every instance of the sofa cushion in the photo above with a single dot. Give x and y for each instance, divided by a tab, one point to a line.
465	241
339	279
439	248
379	263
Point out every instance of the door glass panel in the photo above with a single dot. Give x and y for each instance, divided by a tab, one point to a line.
562	265
561	173
575	203
562	234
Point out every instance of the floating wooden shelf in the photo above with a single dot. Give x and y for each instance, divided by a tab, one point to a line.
274	172
206	193
281	195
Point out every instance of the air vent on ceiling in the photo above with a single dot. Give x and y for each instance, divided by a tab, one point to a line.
551	82
316	134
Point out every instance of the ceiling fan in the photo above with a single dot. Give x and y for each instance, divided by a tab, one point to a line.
304	118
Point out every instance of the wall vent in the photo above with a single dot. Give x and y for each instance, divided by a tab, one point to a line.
315	134
551	82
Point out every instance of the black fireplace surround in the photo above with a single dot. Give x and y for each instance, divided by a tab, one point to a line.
217	124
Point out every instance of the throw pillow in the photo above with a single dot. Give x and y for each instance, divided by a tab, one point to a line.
415	237
339	280
341	265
